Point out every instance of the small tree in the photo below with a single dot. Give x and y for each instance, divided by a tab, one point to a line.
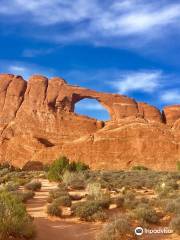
57	168
14	220
77	166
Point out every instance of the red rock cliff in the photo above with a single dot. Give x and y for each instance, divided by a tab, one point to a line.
38	123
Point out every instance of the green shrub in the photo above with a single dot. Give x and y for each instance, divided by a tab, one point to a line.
54	209
86	210
175	224
77	166
63	201
94	190
104	201
26	195
4	171
34	185
99	216
74	180
14	220
130	201
11	186
96	194
62	186
57	168
8	166
119	228
166	188
173	206
146	215
56	193
118	201
46	167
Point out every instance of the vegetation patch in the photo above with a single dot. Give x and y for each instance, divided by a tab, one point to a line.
175	224
88	211
54	209
34	185
14	220
119	228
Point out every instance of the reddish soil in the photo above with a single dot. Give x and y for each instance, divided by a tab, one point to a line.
55	228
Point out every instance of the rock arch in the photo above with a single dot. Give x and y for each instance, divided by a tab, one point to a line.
92	108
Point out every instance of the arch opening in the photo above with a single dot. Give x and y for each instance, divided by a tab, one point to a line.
92	108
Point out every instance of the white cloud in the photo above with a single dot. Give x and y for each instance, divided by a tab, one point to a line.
47	12
171	96
144	81
24	69
142	20
95	21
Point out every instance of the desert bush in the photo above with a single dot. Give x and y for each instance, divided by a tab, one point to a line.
173	206
8	166
119	228
132	179
62	186
63	201
86	210
23	181
54	209
166	188
175	224
172	183
3	171
104	202
56	193
96	194
11	186
14	220
77	167
34	185
130	201
74	180
46	167
57	168
99	216
26	195
94	190
119	201
146	214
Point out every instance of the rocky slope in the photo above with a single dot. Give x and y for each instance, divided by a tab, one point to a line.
38	123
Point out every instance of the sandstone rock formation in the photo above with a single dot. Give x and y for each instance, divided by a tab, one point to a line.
38	123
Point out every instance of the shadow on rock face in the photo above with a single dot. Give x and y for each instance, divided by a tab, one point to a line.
33	166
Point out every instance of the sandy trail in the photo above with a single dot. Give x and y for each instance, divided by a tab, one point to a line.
55	229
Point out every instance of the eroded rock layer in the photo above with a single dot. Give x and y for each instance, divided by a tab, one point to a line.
38	123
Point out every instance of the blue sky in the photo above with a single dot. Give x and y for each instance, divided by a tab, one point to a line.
131	47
